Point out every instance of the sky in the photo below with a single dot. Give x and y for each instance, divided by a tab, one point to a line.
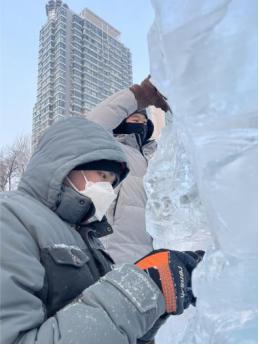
20	23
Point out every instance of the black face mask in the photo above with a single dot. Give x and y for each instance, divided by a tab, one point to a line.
73	207
137	128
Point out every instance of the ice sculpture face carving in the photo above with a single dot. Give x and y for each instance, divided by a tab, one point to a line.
174	203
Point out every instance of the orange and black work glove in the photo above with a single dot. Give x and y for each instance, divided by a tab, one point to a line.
147	94
171	271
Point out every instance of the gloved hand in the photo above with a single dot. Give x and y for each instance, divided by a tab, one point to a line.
171	271
147	94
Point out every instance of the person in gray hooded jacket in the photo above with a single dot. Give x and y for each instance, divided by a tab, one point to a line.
57	283
124	115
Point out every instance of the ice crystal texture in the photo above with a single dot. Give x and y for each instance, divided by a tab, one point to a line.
202	182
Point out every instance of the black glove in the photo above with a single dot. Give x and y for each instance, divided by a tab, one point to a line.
171	271
147	94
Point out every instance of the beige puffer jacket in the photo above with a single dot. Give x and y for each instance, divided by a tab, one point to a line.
130	241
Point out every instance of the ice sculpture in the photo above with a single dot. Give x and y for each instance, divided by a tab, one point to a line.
202	182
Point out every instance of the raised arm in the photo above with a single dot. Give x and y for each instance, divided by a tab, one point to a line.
114	109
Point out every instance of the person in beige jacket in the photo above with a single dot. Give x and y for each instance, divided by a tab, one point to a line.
123	114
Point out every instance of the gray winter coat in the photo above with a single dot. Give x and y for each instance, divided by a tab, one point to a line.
129	241
120	307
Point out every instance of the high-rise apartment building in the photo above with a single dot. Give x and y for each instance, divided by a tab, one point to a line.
81	62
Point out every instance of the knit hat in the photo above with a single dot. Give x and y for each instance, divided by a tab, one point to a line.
106	165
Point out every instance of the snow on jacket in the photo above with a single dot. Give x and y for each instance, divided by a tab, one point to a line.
44	261
130	241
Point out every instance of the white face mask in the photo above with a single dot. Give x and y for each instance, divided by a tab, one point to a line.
101	194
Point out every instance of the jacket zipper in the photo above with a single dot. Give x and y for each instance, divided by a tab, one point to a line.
116	203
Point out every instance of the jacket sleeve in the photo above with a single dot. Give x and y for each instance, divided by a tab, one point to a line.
114	109
119	308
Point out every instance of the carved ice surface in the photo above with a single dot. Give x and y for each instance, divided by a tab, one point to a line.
202	182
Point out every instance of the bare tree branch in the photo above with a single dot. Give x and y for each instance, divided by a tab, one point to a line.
13	161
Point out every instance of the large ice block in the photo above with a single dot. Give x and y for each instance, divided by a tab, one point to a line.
202	182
